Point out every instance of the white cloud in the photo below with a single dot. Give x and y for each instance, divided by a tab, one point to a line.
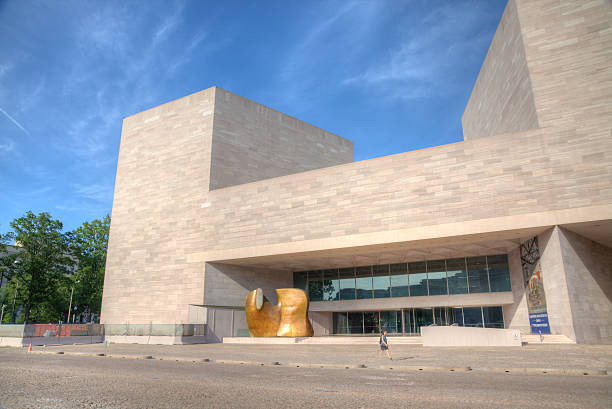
335	32
14	121
423	64
168	24
96	191
4	68
32	96
7	146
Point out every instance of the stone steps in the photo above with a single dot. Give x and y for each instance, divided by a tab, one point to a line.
335	340
547	339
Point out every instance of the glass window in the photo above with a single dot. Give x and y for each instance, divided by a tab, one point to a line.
436	276
499	274
399	280
408	322
340	323
440	316
388	322
457	277
398	321
472	316
363	282
417	278
300	280
355	322
382	282
493	317
370	323
347	283
477	275
456	316
315	286
423	317
331	285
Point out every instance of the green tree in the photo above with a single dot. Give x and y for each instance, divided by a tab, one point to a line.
41	267
88	245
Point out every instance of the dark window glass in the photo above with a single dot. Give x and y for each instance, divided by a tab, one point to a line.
423	317
382	281
363	282
347	283
499	273
315	286
355	322
331	285
388	322
493	317
440	316
472	316
477	274
300	280
457	316
399	280
408	322
436	276
398	321
341	323
417	274
370	323
457	277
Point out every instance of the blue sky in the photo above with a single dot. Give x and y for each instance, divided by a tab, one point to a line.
391	75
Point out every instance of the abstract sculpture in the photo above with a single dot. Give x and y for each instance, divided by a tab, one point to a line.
287	319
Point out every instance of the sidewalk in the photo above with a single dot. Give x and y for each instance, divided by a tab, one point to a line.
559	357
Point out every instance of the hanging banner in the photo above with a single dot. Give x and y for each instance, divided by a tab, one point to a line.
532	274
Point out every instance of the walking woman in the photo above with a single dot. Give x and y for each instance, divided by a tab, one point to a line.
384	344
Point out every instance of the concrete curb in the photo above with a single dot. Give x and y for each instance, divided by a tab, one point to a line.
84	354
130	356
328	366
230	362
181	359
551	371
427	368
412	368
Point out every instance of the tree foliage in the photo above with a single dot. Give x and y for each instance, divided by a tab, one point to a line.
41	267
50	264
88	245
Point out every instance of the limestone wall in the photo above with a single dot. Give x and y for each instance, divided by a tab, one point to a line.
228	285
502	100
588	272
555	284
516	314
253	142
504	175
162	174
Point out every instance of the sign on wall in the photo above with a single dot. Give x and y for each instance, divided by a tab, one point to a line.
536	299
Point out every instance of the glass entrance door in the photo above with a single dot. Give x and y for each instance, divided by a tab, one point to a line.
422	318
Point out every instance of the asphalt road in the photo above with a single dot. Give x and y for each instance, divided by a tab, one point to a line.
55	381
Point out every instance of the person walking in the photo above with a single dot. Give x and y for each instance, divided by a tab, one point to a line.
384	344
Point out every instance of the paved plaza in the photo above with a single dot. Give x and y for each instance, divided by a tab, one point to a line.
68	381
587	357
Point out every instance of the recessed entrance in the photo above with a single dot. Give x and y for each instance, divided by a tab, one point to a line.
410	320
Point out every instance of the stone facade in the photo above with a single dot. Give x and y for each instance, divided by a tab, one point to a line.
502	99
217	195
252	142
168	158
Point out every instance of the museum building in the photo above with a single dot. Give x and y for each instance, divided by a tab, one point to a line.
217	195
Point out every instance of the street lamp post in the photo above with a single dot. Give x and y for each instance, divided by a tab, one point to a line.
16	263
14	299
70	305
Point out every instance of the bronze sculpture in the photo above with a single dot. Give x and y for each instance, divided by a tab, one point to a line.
289	318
